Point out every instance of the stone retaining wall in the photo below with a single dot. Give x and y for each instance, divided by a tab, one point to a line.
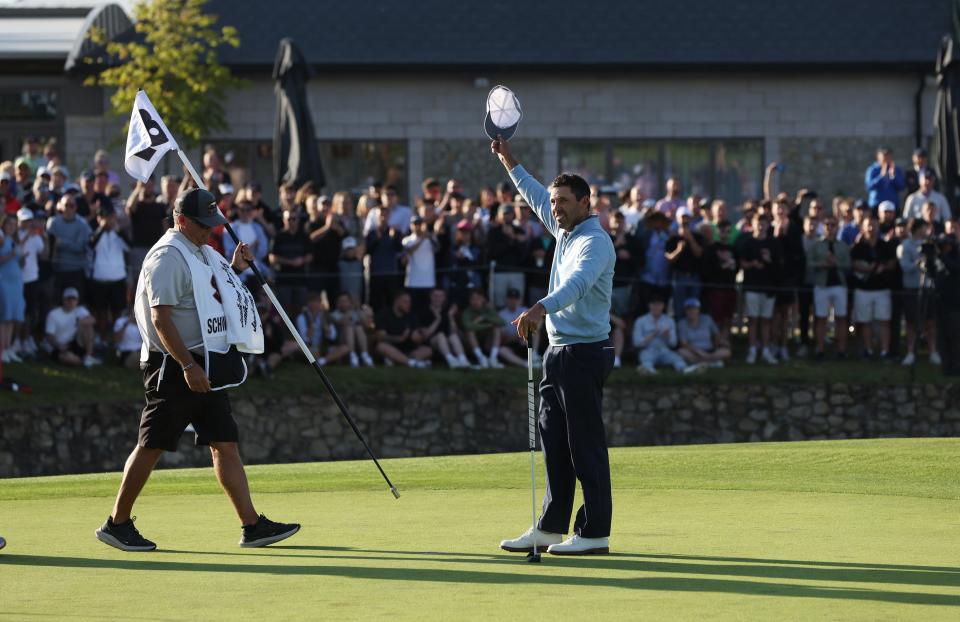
98	437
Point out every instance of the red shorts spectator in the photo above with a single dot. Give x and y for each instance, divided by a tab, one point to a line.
721	304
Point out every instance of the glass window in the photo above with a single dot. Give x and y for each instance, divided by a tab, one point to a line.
738	170
728	169
38	104
586	159
354	165
636	164
690	162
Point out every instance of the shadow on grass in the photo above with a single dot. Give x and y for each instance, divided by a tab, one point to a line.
630	563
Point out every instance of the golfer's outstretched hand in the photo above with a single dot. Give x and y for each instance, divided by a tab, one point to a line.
529	321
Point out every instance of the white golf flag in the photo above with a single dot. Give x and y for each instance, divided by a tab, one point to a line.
148	139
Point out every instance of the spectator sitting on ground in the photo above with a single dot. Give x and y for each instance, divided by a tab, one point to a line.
913	206
655	336
883	179
127	340
278	344
760	260
508	333
482	322
699	338
319	334
398	340
70	332
352	325
438	327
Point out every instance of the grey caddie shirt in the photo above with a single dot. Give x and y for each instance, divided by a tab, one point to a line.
167	281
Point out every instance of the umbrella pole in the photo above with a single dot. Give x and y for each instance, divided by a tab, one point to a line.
296	335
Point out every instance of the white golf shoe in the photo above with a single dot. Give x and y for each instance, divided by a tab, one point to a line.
575	545
524	544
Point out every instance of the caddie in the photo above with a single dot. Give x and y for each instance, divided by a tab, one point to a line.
195	318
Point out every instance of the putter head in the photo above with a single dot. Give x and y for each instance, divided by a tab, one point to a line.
533	558
396	493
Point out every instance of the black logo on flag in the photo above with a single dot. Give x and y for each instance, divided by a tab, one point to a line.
157	136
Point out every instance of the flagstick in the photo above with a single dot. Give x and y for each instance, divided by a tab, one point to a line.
296	335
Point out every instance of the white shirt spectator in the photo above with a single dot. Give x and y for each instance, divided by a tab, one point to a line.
247	233
421	268
130	340
913	206
399	219
108	261
62	325
647	325
31	245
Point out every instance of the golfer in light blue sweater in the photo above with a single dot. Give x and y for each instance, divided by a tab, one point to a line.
575	365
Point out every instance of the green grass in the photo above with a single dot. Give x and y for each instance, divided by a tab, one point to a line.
58	385
839	530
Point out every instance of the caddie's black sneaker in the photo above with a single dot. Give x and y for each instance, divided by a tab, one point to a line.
123	536
267	532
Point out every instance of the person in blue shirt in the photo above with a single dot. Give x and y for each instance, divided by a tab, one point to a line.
884	179
575	365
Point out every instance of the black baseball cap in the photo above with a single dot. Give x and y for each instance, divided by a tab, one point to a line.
200	205
513	292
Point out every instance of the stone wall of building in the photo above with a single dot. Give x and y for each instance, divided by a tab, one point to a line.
98	437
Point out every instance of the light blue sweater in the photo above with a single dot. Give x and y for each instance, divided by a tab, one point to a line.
581	277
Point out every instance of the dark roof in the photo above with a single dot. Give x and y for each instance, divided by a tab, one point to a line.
641	34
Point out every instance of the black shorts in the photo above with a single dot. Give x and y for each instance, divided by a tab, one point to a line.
172	406
911	304
108	295
73	347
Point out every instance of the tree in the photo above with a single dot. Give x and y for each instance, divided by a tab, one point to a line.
173	57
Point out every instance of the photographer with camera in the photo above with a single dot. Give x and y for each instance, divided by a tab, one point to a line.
915	254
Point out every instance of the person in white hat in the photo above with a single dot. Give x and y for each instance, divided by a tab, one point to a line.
33	243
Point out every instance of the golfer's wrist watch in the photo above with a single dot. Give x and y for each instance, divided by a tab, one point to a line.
189	366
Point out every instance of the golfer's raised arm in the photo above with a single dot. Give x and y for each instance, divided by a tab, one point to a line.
533	192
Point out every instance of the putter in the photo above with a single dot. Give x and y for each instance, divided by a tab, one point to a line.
533	556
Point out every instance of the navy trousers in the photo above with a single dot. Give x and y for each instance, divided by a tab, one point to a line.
573	438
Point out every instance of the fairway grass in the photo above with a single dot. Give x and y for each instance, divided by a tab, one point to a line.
838	530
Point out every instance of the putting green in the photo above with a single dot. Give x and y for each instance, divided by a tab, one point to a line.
851	530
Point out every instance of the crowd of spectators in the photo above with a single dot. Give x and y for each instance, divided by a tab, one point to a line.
369	281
